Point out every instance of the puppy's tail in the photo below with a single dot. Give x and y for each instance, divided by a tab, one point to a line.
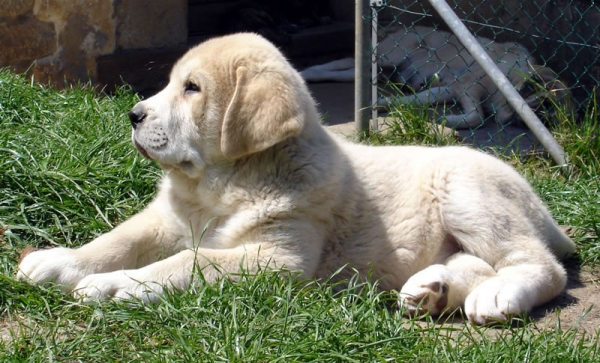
559	243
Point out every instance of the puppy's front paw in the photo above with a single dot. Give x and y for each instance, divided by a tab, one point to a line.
123	285
496	301
57	265
426	291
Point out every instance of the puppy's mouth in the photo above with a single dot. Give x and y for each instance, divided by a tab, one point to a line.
141	149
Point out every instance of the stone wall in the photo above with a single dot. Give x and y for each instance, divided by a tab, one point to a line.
58	40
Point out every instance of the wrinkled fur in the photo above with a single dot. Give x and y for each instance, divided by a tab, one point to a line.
244	153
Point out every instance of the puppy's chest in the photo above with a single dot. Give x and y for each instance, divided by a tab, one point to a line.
219	224
227	214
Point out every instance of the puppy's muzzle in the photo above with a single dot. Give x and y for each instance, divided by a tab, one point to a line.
137	115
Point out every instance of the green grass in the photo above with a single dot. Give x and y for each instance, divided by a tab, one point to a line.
264	318
69	173
68	170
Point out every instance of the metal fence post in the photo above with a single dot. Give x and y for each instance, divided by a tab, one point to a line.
375	5
362	56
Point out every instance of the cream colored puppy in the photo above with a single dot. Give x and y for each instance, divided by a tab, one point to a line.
238	136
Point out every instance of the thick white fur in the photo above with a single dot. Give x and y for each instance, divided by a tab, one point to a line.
436	63
244	153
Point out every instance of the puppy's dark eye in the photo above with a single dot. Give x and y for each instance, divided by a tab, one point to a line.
191	87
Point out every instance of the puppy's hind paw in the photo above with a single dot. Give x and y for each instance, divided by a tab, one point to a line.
496	301
426	292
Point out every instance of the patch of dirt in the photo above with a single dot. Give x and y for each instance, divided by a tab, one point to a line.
578	306
2	231
8	328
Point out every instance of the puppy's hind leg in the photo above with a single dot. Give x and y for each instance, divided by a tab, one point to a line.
341	70
525	279
429	96
486	295
336	65
504	226
443	287
472	115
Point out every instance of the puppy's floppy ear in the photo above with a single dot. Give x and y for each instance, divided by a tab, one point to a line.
265	109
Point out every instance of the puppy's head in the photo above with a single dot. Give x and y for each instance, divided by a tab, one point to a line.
227	98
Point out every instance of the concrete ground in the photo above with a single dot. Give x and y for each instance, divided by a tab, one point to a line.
336	105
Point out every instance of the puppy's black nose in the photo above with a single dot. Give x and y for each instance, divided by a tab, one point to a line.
137	116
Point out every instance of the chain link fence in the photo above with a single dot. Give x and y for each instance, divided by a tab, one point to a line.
549	51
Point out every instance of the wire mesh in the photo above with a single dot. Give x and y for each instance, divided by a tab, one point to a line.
549	50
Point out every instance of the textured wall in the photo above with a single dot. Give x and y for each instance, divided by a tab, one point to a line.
60	40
